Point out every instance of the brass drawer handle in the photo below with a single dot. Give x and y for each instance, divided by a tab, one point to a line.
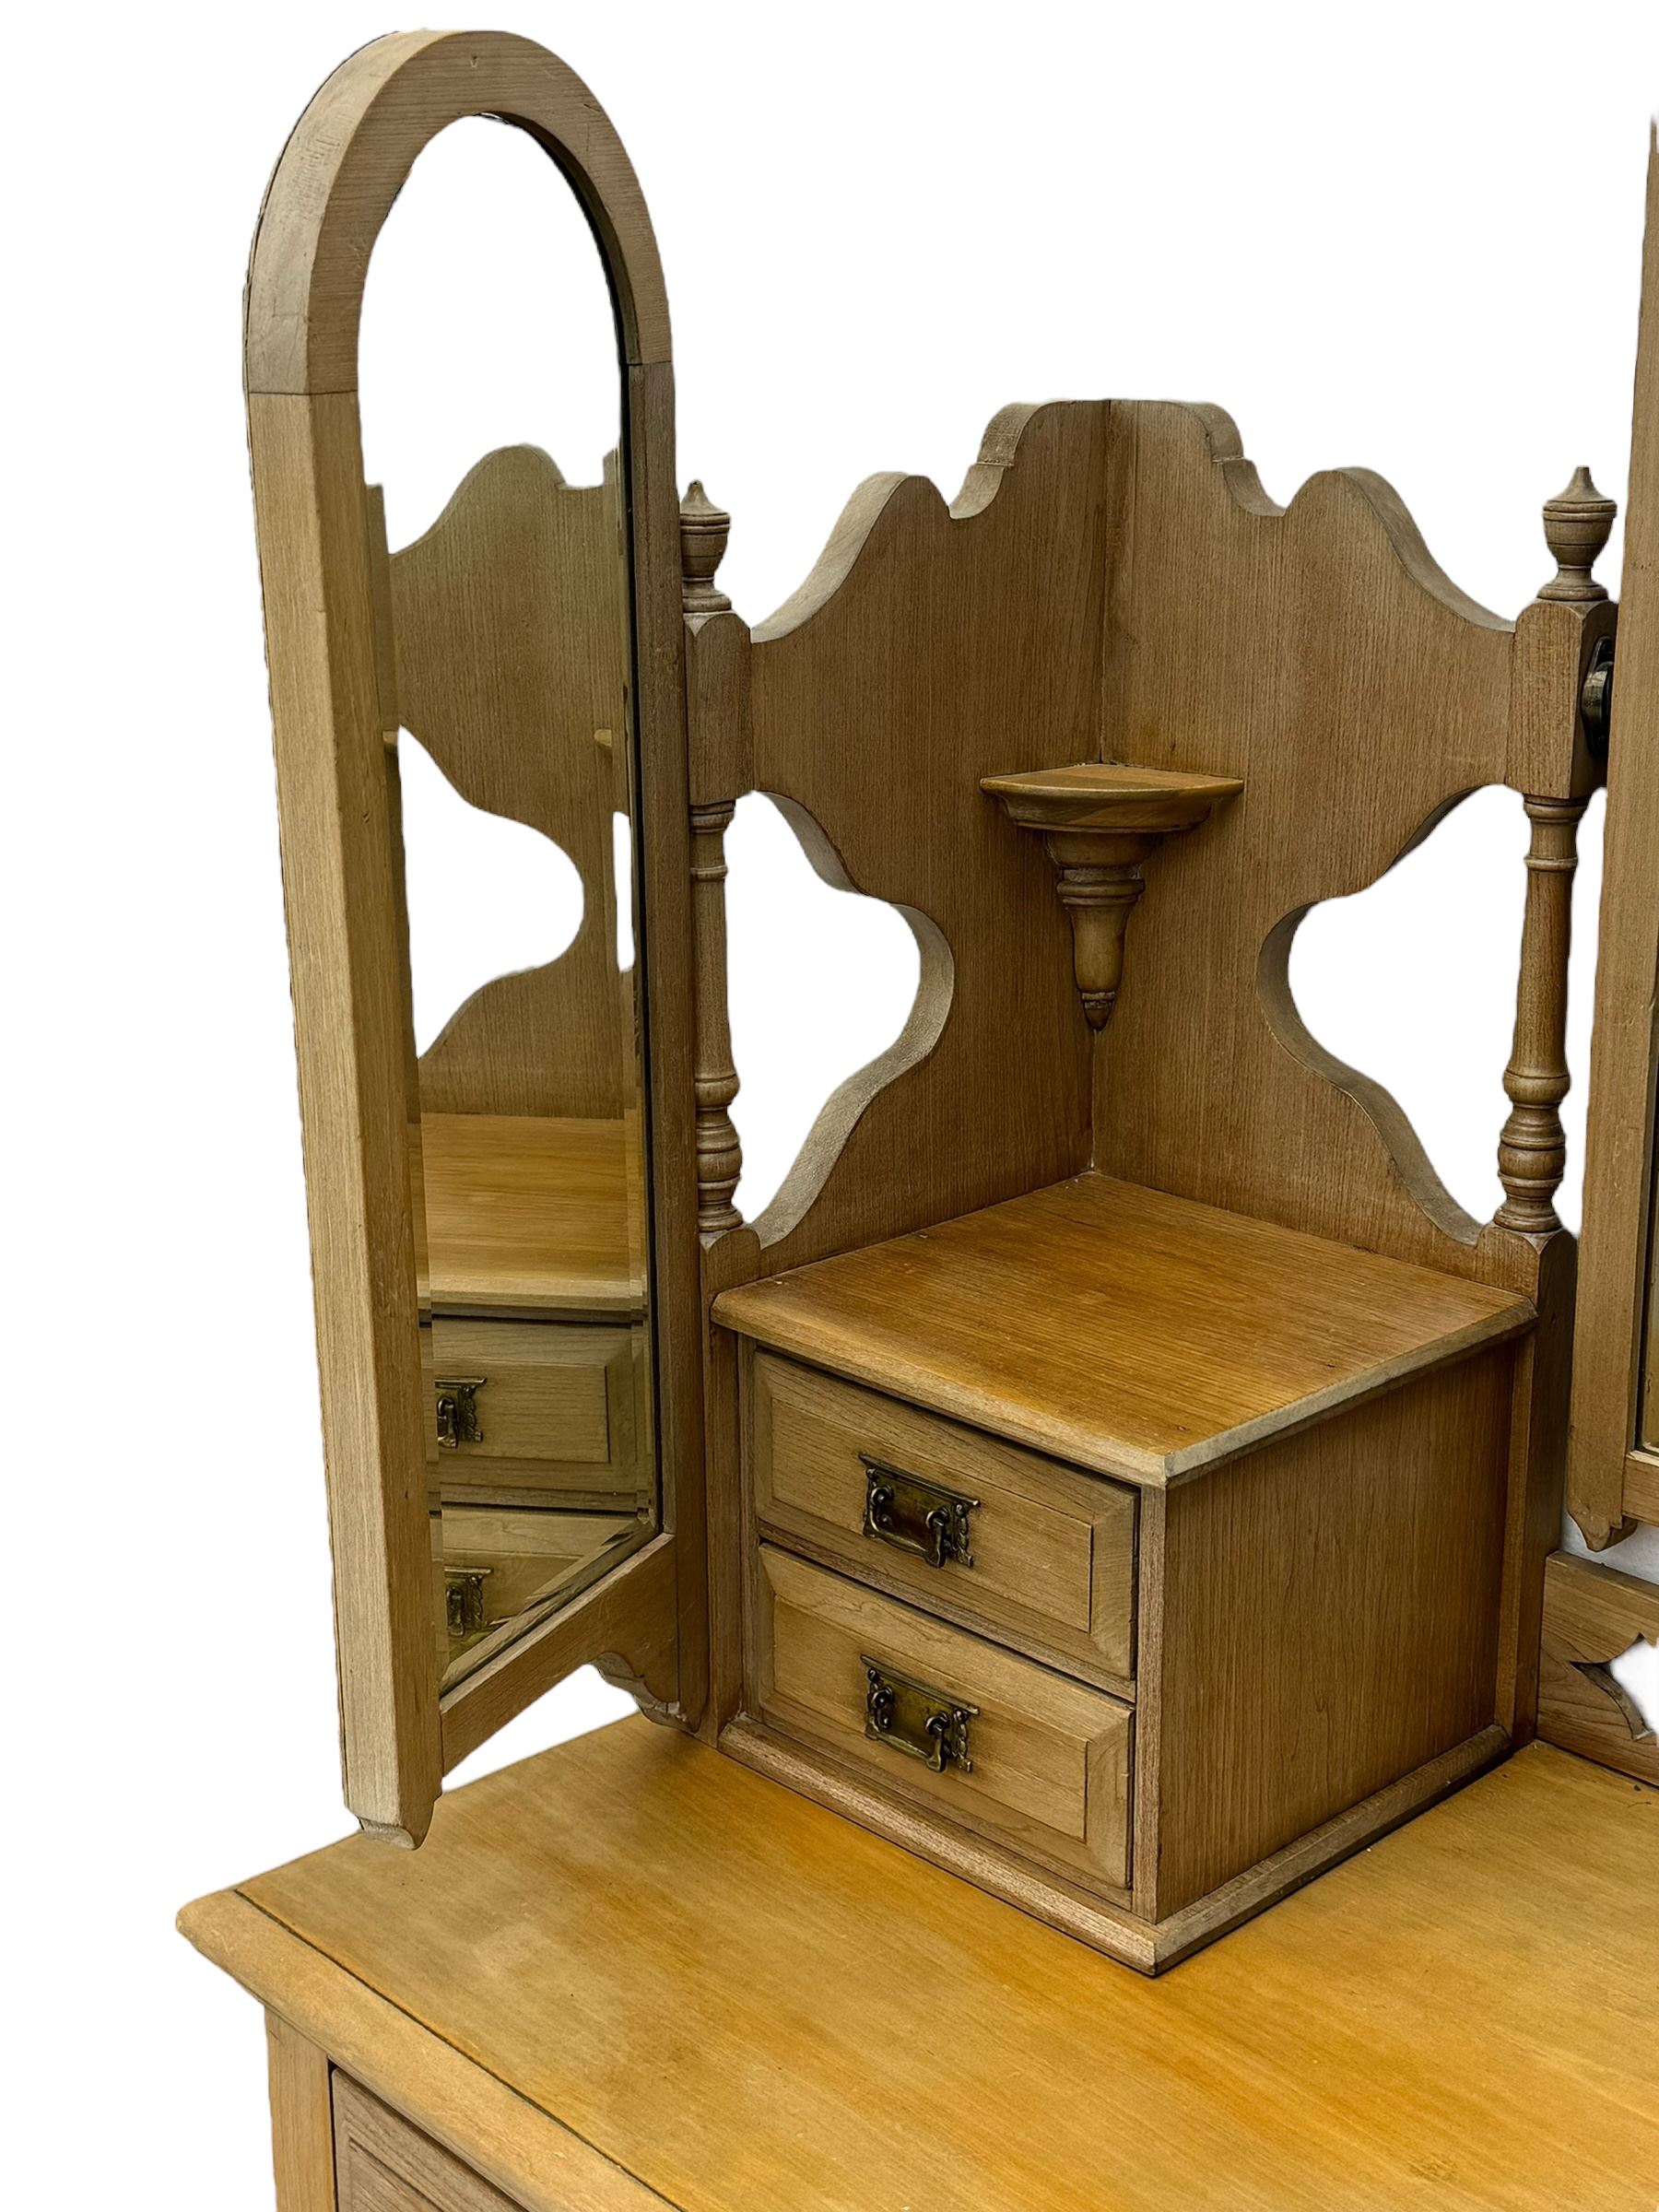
915	1515
464	1609
458	1411
925	1724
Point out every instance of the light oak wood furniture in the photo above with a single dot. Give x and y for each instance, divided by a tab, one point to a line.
528	1257
1112	1477
1459	2018
1280	1429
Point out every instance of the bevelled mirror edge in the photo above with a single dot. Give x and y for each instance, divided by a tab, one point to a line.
1613	1453
644	1621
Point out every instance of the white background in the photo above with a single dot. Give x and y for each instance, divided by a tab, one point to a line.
1403	236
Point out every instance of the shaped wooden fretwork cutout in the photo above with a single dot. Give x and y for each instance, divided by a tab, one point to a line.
833	994
1403	995
1598	1683
1632	1680
509	618
488	896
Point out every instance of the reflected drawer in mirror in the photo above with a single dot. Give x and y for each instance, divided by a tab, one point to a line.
542	1471
936	1715
971	1528
539	1408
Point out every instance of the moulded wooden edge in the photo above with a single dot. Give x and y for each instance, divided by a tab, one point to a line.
1326	1846
1388	509
860	518
1641	1487
1148	1947
518	2147
747	1311
348	156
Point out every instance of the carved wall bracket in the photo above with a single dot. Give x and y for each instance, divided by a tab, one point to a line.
1100	822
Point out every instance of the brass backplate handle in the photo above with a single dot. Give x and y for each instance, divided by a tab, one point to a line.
465	1607
458	1410
926	1723
913	1514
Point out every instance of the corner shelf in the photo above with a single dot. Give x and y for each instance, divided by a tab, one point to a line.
1100	820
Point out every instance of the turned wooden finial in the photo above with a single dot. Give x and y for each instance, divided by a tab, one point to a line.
704	529
1576	522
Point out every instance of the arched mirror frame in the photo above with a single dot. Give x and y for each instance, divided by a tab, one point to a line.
646	1622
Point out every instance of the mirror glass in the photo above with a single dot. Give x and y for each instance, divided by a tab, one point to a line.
504	623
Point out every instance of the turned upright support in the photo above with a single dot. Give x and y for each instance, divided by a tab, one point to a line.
703	531
719	1153
1531	1151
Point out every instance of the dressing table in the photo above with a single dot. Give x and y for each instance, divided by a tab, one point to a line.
1126	1730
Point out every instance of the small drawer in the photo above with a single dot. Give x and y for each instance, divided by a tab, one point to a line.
532	1407
1022	1755
880	1484
382	2164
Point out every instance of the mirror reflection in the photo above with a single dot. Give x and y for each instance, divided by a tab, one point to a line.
506	691
510	617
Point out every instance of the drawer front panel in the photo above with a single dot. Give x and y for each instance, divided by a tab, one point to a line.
1053	1550
382	2164
552	1407
1049	1759
543	1386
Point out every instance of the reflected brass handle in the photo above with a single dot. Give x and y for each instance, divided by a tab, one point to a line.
925	1724
915	1515
458	1411
464	1610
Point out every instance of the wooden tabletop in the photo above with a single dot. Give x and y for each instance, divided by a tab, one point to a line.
633	1952
532	1216
1137	1334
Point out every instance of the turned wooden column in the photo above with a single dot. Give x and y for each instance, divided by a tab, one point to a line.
1531	1150
703	532
719	1153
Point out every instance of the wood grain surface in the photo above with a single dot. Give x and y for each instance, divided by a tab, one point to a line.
1050	1771
331	600
384	2165
532	1216
1330	1621
346	953
1053	1550
1459	2019
302	2119
1319	653
1131	1332
510	622
932	645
